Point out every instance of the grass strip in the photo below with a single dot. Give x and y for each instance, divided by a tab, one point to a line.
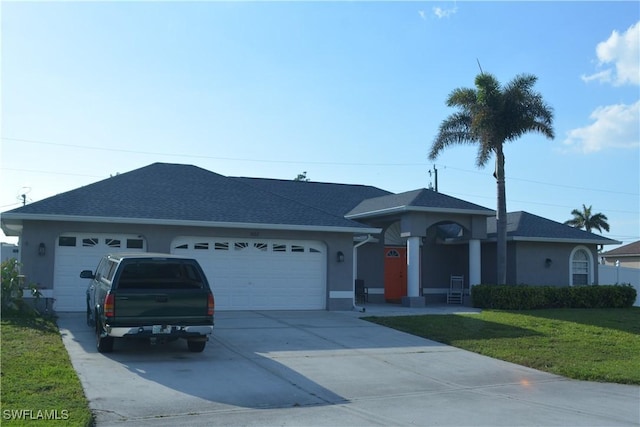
39	385
585	344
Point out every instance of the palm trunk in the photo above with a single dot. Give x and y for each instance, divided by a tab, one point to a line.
501	219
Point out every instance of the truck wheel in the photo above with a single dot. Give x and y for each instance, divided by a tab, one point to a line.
196	346
103	344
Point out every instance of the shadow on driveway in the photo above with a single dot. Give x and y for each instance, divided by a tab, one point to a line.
326	369
246	363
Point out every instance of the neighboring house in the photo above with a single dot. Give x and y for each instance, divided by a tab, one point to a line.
622	265
8	251
623	256
277	244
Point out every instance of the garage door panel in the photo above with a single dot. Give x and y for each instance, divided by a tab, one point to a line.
75	252
248	274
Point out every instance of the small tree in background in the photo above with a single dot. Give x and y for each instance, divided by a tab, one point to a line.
302	177
585	219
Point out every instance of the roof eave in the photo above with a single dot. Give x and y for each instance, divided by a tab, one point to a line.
558	240
402	209
606	255
191	223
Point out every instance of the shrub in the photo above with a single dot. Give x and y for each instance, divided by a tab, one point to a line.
524	297
13	288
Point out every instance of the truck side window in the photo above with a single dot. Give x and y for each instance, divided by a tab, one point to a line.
100	268
111	270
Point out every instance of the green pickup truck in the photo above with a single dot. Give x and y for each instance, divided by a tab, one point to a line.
158	297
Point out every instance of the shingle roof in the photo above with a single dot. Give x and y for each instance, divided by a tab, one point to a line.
416	200
337	199
180	194
632	249
177	192
525	226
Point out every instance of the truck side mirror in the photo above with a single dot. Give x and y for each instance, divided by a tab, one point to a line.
87	274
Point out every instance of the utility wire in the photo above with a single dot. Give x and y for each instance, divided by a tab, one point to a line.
200	156
511	178
528	202
52	172
292	162
10	204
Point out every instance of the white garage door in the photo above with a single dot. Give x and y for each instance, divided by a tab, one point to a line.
77	252
260	274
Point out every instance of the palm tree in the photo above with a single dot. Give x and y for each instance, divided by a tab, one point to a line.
489	116
584	219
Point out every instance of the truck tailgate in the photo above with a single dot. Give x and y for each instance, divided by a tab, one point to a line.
161	306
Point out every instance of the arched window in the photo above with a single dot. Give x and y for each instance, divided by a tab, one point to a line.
581	267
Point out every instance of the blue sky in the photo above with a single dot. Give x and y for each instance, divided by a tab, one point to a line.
350	92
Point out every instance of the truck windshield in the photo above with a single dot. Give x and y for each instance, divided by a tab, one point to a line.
160	274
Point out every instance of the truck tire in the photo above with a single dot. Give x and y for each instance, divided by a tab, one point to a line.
196	346
103	344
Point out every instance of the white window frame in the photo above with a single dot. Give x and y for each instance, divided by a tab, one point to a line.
590	267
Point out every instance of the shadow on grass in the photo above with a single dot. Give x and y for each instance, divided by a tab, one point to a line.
622	319
39	323
450	328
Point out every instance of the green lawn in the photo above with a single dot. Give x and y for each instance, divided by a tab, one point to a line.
39	385
586	344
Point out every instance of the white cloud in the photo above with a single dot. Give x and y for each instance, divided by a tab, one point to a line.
445	13
614	126
422	14
620	52
603	76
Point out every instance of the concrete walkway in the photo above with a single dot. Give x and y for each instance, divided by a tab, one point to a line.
319	368
368	309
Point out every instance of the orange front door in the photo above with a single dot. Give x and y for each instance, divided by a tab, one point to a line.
395	273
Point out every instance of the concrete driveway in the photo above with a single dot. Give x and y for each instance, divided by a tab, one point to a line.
318	368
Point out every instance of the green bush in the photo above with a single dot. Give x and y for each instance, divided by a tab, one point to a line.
13	288
524	297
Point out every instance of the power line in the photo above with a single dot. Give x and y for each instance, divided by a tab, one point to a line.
240	159
10	204
529	202
623	236
573	187
52	172
200	156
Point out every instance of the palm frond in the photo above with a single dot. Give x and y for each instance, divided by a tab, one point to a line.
484	154
462	97
455	129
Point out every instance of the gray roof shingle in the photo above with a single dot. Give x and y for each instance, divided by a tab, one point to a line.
178	193
417	200
337	199
526	226
163	191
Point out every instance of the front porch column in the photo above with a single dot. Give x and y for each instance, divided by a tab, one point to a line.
413	298
475	271
413	267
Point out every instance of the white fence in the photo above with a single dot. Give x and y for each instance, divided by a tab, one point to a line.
609	275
